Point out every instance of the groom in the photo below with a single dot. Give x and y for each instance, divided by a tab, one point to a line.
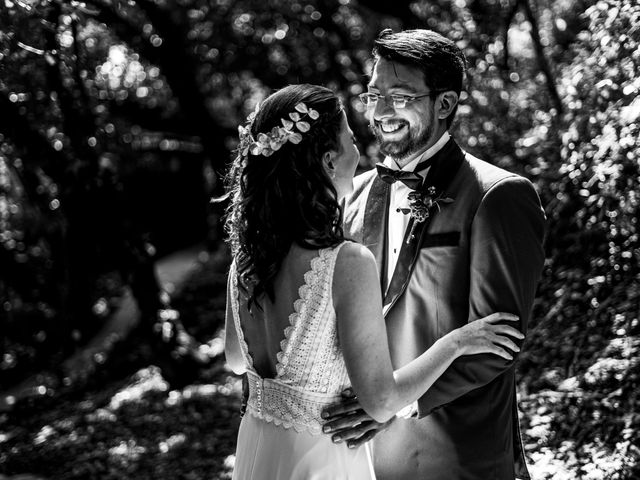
455	239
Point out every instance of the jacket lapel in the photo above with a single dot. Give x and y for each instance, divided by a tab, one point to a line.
445	166
375	224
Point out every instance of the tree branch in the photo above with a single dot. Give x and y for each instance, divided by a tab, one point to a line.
507	25
180	68
77	123
542	59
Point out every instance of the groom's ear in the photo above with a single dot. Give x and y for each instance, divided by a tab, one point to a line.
446	103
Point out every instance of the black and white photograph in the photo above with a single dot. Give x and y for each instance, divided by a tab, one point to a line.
319	240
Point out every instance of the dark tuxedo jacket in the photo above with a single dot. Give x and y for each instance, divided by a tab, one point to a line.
481	253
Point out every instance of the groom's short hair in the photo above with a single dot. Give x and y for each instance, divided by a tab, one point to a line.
441	61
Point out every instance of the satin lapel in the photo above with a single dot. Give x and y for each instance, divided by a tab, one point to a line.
445	166
374	230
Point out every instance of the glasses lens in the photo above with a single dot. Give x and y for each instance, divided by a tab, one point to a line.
368	98
399	101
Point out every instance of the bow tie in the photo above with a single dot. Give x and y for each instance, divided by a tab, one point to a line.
412	180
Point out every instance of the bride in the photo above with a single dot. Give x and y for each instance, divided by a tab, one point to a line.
304	309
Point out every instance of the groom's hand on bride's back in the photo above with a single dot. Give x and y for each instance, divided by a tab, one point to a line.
348	422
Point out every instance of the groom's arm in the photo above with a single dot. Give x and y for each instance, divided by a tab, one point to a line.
506	259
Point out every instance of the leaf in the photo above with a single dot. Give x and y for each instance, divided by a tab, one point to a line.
303	126
287	123
313	114
275	145
295	116
295	138
302	108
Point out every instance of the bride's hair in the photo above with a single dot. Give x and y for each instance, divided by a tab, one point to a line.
286	197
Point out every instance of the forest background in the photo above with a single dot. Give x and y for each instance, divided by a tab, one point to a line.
117	121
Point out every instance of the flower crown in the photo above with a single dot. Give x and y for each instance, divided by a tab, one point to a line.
267	143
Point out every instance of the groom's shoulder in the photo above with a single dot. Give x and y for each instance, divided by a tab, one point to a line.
487	176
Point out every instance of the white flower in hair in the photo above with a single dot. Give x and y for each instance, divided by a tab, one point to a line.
265	144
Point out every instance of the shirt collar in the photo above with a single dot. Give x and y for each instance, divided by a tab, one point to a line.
429	152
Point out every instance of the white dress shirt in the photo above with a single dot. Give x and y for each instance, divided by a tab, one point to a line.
398	221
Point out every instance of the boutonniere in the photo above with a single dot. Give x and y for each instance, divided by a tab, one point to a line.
421	203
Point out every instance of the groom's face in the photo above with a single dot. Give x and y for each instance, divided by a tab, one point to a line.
401	132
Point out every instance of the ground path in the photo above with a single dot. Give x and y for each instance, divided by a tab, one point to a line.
135	425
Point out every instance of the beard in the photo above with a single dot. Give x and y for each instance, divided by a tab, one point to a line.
405	147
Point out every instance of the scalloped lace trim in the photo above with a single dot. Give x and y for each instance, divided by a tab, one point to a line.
300	308
298	427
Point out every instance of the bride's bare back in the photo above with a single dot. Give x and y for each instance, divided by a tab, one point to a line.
264	327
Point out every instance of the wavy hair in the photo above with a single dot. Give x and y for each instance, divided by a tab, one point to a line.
287	197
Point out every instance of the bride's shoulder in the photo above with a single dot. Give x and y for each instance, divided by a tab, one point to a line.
353	259
354	251
355	276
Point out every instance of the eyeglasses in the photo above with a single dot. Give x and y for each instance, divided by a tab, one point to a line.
398	100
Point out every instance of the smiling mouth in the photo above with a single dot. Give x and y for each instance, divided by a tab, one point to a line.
390	127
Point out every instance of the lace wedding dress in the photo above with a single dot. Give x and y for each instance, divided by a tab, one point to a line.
280	436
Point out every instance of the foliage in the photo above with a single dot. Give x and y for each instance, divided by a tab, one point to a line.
80	181
588	311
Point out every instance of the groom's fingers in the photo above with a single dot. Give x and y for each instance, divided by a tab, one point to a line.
346	422
362	433
347	406
355	433
348	393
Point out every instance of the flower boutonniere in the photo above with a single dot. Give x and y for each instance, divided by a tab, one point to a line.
421	203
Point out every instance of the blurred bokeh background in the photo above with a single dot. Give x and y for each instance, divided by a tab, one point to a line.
117	121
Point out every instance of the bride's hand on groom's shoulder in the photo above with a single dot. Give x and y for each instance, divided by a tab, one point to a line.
346	421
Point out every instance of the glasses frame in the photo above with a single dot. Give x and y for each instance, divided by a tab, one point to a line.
405	98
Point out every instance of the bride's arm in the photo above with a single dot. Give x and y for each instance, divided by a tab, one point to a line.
363	339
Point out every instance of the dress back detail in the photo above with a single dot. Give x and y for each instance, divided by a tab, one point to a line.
310	369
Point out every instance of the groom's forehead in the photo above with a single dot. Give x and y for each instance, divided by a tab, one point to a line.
392	74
